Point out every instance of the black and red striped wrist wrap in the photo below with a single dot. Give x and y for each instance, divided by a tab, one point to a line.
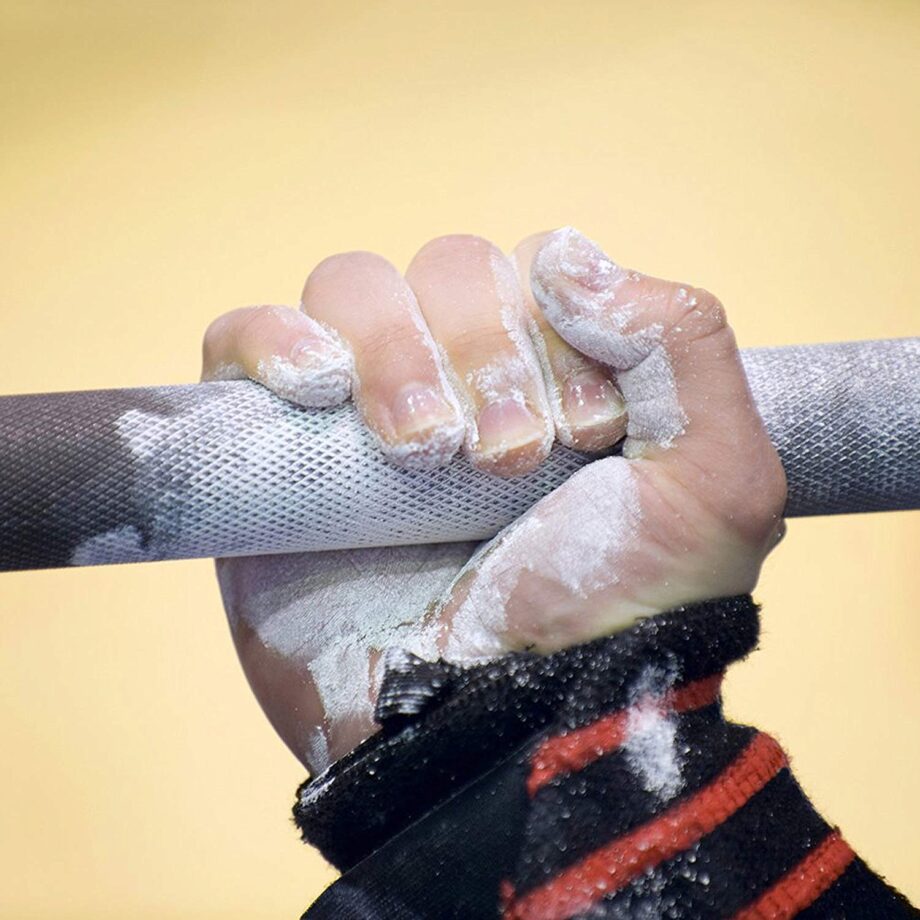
599	782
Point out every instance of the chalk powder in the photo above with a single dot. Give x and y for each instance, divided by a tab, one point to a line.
651	735
435	447
574	538
579	290
325	383
333	607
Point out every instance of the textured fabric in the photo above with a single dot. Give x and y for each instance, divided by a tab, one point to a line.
499	707
228	469
600	782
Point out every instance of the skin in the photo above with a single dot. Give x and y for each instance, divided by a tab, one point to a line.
474	351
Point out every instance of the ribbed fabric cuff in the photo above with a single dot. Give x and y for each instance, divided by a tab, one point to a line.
600	782
401	773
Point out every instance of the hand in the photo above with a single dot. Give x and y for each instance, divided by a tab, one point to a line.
498	357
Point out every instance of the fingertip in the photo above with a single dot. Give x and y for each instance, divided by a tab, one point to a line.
420	426
311	377
593	411
286	351
510	462
567	254
216	363
509	438
429	449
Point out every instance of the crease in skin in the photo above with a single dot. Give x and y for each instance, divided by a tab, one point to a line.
572	543
553	390
512	316
568	366
516	376
578	288
470	436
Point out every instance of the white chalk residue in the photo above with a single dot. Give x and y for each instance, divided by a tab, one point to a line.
648	897
574	538
580	292
322	379
332	610
516	375
553	390
318	374
512	315
433	447
651	735
212	492
317	749
123	544
315	372
227	370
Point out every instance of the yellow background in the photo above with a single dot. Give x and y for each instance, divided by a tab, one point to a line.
162	162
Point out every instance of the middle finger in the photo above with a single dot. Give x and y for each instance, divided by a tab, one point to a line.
470	297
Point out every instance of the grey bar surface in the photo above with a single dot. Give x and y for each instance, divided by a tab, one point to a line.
228	469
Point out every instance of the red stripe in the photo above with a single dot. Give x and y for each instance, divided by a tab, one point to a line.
804	884
613	866
574	750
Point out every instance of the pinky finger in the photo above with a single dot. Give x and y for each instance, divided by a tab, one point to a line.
281	348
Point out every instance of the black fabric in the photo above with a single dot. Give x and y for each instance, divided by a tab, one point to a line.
448	866
761	842
395	777
433	818
575	815
859	894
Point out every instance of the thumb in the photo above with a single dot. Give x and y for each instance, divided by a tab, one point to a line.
677	364
689	512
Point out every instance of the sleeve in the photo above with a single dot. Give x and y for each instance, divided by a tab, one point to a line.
600	782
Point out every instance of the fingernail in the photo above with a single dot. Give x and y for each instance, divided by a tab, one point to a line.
505	425
314	353
590	399
582	261
316	374
418	408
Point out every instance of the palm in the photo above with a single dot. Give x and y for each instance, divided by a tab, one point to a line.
311	627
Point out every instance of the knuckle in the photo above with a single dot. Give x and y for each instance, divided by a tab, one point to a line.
696	312
479	343
257	321
454	247
393	338
351	265
222	328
